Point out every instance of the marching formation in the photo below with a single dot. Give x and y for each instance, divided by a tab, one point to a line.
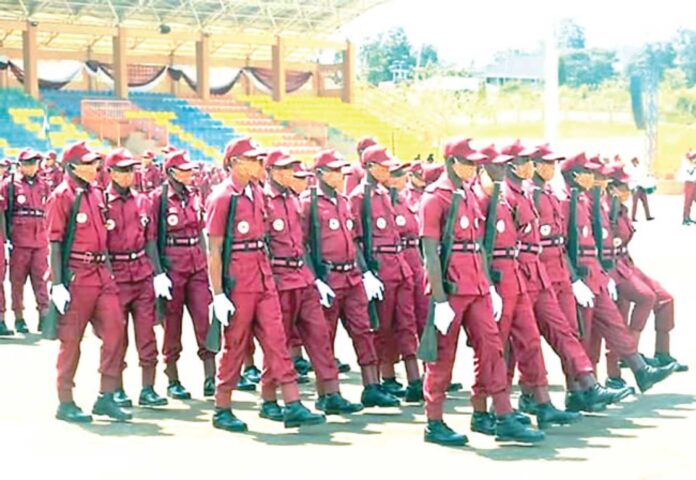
266	250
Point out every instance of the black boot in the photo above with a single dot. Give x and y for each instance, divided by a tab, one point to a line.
106	405
149	398
648	376
414	392
547	415
374	396
295	414
454	387
252	374
302	366
527	404
69	412
177	391
437	431
576	401
664	359
122	399
342	367
302	379
224	419
483	422
508	428
244	385
271	411
4	331
335	404
391	385
21	326
618	383
209	387
597	396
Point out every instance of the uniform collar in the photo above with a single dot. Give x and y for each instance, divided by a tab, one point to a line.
517	187
274	192
76	185
173	193
113	194
442	183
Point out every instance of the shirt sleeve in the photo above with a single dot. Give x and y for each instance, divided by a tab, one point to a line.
57	215
216	214
355	202
430	217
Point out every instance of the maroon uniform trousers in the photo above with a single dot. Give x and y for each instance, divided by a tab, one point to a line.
257	314
475	314
137	299
33	263
3	261
689	198
350	305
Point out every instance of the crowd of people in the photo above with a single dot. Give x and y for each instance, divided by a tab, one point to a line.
266	249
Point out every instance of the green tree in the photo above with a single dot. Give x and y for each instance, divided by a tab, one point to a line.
586	67
686	54
653	56
571	35
390	55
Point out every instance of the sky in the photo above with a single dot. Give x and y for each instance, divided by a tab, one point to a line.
465	31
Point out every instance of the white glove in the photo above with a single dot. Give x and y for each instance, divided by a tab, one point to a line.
613	292
223	308
60	296
583	294
163	286
497	302
444	316
8	250
374	288
325	292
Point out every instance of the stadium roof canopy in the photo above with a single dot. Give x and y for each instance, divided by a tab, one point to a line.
237	28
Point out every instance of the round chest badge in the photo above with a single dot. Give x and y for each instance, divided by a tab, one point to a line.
464	222
81	217
500	226
545	230
21	199
110	224
350	224
278	224
381	223
144	220
243	227
617	242
401	220
334	224
173	220
605	233
585	231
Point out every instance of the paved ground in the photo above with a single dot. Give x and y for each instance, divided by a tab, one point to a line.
647	437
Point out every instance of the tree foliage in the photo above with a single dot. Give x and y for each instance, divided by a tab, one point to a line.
586	67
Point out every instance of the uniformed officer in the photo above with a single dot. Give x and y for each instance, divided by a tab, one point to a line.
83	290
246	301
331	246
26	194
633	285
451	231
51	170
598	311
149	176
356	171
4	330
182	245
387	267
134	259
298	288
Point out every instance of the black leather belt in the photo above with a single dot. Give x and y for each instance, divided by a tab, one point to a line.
533	248
409	242
466	246
89	257
126	256
388	248
248	245
182	241
340	266
29	212
552	241
509	252
287	262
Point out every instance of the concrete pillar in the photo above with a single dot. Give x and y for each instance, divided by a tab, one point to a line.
203	67
173	85
3	78
348	94
90	82
120	64
30	54
278	55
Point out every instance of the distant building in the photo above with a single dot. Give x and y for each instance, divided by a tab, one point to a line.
515	66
